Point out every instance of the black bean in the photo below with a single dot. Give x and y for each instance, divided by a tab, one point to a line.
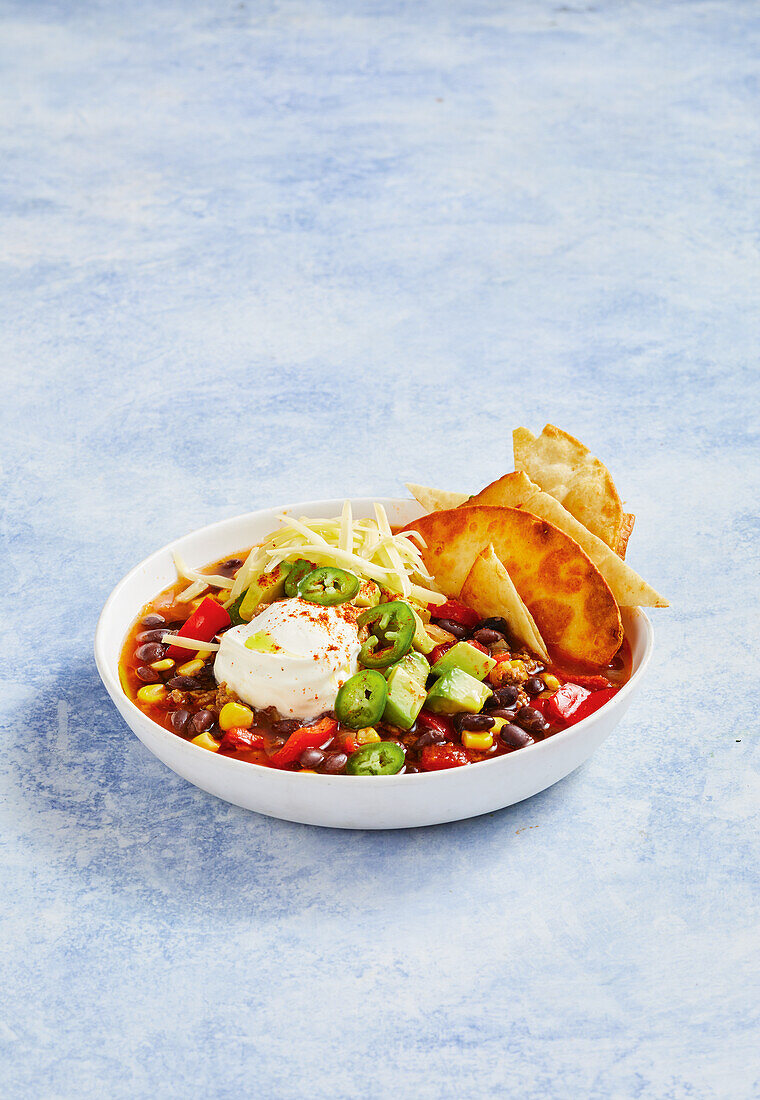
503	712
285	726
203	720
503	697
496	623
534	686
179	719
311	758
456	629
472	722
229	568
429	737
153	620
335	763
514	736
182	683
488	637
150	652
531	720
149	636
148	675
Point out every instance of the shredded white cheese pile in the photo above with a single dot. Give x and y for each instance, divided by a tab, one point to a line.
367	547
189	643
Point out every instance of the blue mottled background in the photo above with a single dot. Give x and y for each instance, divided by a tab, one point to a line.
262	251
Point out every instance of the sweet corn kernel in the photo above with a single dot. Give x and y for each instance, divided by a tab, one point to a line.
163	666
498	725
552	683
235	714
152	693
518	666
480	742
195	604
367	735
190	667
206	741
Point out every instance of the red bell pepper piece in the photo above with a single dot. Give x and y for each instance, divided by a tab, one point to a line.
596	700
305	737
501	657
350	744
476	645
437	723
207	620
456	611
565	701
240	739
572	703
435	758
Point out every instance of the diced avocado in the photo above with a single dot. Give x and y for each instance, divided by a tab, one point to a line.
269	586
468	658
406	690
368	595
422	640
415	663
457	691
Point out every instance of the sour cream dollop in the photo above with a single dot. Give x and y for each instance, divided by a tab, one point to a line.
299	655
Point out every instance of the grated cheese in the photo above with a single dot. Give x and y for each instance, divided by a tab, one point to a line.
366	546
184	572
190	643
190	593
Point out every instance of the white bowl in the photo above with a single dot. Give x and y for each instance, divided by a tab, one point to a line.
343	801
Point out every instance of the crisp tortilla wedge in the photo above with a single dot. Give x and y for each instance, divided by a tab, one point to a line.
488	588
518	491
624	533
565	593
436	500
565	468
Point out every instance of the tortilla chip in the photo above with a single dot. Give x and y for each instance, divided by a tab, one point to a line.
564	467
624	533
435	500
518	491
488	588
565	593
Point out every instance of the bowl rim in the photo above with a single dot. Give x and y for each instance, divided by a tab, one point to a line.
113	686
